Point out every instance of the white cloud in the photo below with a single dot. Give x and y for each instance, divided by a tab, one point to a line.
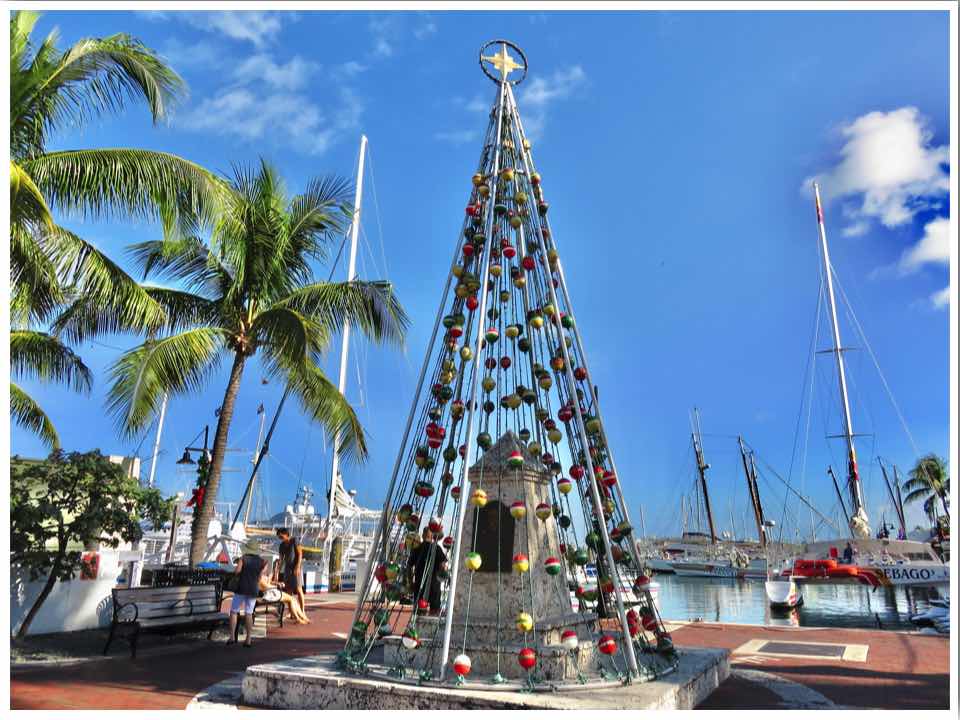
384	29
281	116
427	28
252	26
934	247
539	93
182	55
888	162
348	69
478	104
941	298
858	228
289	76
458	137
247	25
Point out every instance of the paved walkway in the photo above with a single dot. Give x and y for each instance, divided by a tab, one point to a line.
901	671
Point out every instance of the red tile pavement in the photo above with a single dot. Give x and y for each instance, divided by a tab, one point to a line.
903	671
168	677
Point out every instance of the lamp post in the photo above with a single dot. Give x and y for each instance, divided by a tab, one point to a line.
198	499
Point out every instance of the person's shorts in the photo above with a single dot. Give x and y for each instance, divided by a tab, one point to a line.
291	582
243	604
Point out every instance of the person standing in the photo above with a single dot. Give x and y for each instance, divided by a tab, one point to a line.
427	584
291	566
249	567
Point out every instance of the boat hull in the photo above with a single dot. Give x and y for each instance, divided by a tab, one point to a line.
783	593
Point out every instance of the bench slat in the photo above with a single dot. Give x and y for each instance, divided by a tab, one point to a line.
185	620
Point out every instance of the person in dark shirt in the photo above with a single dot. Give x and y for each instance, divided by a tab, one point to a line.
291	565
848	555
249	567
427	553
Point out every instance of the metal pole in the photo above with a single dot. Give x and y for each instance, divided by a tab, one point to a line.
853	476
342	383
256	456
471	407
264	451
527	155
754	499
156	443
345	346
381	534
702	468
893	498
581	427
172	548
836	486
896	484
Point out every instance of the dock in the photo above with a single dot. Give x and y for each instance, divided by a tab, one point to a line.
770	667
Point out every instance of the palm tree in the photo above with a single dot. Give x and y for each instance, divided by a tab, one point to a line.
250	290
929	481
51	89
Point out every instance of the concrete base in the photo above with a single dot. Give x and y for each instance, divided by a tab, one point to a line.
314	682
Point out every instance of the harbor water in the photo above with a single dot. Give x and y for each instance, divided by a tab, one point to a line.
745	601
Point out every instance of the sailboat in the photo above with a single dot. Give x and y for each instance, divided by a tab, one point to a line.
873	561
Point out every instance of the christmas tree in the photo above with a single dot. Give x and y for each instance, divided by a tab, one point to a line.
504	496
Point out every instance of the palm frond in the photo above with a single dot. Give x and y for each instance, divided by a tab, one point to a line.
93	77
322	402
27	206
370	306
185	260
175	365
101	285
35	285
44	357
27	414
290	334
100	183
314	217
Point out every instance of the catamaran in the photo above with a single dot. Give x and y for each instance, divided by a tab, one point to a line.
876	561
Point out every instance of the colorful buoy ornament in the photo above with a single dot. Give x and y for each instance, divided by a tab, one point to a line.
462	665
527	658
520	563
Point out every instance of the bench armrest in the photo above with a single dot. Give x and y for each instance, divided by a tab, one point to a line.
186	600
117	609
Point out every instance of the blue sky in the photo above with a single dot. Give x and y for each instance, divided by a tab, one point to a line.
676	151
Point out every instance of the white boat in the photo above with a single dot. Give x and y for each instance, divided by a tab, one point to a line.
876	561
783	593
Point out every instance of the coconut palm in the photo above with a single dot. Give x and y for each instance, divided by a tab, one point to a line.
51	89
249	291
929	481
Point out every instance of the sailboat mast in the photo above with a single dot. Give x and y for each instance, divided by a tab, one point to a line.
345	348
750	471
859	523
156	442
256	456
702	468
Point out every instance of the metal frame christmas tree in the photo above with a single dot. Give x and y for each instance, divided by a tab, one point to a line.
505	456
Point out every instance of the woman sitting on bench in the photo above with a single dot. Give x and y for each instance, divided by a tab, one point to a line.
293	607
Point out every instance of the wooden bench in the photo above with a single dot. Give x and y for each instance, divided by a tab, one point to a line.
165	610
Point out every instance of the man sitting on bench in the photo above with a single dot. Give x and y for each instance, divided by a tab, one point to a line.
250	567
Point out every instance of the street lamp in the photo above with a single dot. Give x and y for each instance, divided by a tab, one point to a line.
186	459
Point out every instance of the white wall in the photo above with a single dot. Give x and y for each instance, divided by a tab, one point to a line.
73	605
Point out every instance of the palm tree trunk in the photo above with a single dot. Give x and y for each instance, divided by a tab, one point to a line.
198	536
